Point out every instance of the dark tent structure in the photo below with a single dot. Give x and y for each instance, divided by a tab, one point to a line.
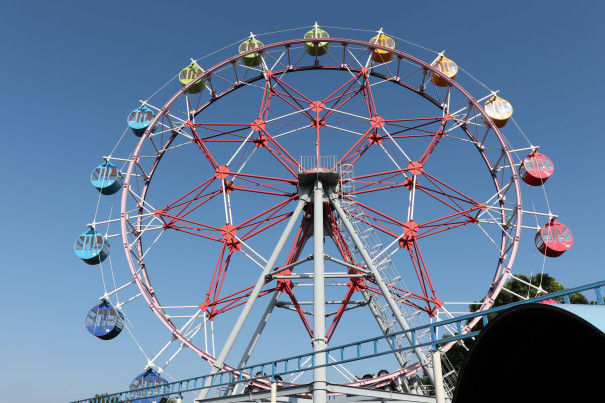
537	353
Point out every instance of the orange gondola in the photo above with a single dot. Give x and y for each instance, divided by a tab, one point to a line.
445	66
379	55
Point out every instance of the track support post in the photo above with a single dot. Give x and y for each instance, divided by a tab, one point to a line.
438	374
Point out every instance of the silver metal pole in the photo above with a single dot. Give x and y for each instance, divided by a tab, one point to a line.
259	330
439	391
319	298
220	361
274	392
381	285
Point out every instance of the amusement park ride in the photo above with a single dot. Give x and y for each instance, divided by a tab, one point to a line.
303	174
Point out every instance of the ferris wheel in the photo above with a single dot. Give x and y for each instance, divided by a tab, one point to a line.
307	174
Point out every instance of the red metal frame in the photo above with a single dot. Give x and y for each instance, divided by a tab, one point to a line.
175	215
232	234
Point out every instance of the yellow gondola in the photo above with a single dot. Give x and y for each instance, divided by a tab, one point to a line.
445	66
379	55
499	110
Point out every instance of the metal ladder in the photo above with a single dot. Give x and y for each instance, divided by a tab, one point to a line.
389	274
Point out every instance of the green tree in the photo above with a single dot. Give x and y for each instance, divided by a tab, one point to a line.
457	354
101	398
544	281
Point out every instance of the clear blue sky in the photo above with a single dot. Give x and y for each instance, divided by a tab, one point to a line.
71	71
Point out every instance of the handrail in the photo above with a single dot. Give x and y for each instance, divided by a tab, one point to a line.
290	365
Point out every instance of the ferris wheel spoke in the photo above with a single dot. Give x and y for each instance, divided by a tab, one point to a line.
201	144
218	134
342	95
367	93
170	219
421	126
357	150
434	141
390	226
215	307
192	227
253	186
375	219
408	298
199	195
445	193
175	215
448	222
265	219
286	94
263	140
382	181
351	289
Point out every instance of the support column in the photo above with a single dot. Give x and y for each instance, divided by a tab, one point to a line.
273	391
381	285
220	361
259	330
439	391
319	299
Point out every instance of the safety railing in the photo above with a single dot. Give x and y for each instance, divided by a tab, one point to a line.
327	163
350	352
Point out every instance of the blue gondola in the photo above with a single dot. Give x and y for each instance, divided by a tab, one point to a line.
140	119
107	178
91	247
147	379
104	321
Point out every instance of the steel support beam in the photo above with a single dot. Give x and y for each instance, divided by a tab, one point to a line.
319	297
220	361
259	330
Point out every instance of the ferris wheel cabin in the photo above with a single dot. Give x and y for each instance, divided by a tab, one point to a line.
447	67
92	247
140	119
536	168
554	239
147	379
322	47
253	59
189	74
379	55
104	321
499	110
107	178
